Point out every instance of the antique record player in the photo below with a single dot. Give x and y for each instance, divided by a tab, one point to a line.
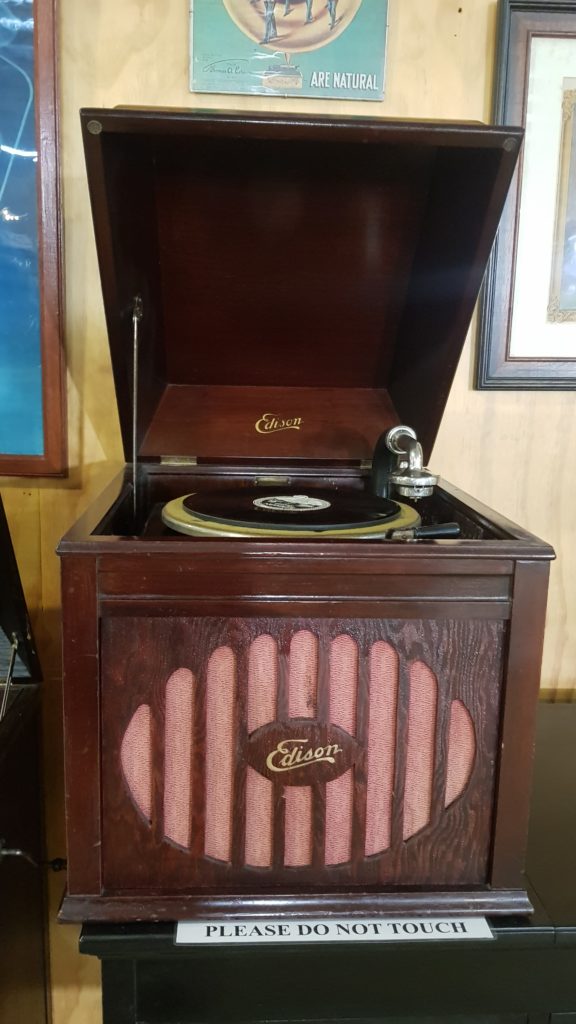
300	673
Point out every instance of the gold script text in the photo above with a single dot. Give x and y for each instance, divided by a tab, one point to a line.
291	754
270	424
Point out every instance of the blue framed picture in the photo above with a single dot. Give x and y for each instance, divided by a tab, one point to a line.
31	386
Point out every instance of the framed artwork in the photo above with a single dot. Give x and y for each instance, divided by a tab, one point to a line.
325	49
32	403
527	336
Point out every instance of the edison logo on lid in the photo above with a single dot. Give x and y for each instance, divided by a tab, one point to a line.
269	423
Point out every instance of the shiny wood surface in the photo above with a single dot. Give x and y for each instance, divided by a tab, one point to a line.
466	659
513	450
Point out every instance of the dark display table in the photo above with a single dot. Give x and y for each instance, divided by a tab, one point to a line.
528	973
22	966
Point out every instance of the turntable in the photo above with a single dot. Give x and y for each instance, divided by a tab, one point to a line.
272	512
300	671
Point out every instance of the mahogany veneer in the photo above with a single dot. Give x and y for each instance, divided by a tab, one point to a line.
324	272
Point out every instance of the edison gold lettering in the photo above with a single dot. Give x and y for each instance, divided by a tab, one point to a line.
290	754
270	424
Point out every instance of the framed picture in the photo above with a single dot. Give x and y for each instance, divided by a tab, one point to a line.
32	404
325	49
527	335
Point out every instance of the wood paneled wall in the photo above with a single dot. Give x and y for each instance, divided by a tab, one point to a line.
515	451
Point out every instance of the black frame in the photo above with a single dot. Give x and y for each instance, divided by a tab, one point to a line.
518	20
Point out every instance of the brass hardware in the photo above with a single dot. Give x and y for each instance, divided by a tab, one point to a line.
178	460
94	127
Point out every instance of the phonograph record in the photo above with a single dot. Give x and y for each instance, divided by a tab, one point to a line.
300	671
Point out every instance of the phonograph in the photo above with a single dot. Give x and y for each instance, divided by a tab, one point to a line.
300	671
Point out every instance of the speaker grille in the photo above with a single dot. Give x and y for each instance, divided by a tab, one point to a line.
178	752
340	792
302	691
261	709
405	734
220	737
136	759
381	746
420	748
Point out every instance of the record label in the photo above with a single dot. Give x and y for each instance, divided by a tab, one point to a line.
290	503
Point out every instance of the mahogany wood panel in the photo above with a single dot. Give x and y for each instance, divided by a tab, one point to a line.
327	608
139	655
156	906
438	267
184	580
264	558
335	223
463	587
82	725
189	206
227	422
522	679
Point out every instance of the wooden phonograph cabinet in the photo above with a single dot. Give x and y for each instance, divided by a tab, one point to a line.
300	672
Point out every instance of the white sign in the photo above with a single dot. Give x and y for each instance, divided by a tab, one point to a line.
380	929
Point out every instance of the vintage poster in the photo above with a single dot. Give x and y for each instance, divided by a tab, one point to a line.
331	49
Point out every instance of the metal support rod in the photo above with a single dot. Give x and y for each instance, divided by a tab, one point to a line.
9	675
137	313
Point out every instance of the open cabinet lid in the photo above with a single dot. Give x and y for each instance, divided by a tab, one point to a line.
14	621
305	283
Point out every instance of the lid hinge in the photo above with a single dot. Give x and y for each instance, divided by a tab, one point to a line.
137	314
178	460
9	675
